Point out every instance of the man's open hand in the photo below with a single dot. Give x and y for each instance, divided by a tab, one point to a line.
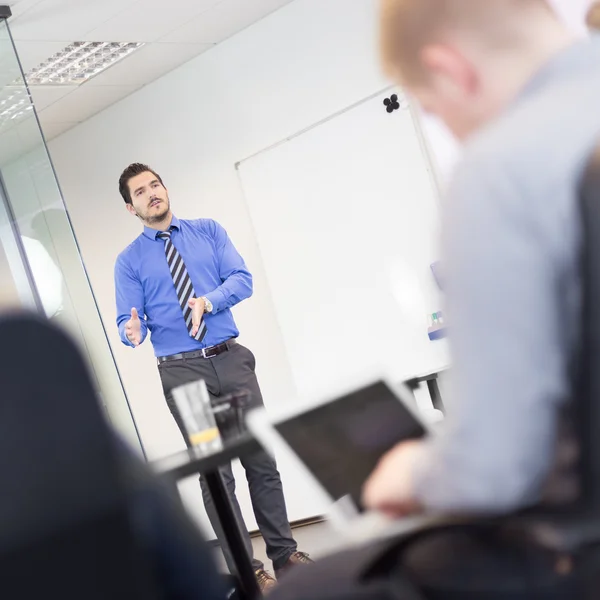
133	328
197	305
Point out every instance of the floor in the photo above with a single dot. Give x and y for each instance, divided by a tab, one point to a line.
316	539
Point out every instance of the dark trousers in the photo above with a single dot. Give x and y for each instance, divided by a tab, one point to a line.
233	372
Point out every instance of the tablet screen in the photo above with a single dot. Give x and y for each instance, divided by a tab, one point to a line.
342	441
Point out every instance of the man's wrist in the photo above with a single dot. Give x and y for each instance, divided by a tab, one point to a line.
208	305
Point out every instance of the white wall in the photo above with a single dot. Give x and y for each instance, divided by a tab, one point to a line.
302	63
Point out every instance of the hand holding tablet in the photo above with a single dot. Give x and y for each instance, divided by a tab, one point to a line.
339	443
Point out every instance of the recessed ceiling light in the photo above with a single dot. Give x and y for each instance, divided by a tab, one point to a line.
74	65
79	62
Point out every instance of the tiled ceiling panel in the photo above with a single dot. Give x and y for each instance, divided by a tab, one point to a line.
227	18
43	96
65	20
149	20
86	101
173	32
148	63
31	53
18	7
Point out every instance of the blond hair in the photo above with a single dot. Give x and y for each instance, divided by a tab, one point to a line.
593	16
409	25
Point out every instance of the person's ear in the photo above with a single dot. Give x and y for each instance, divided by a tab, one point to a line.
449	70
593	17
131	209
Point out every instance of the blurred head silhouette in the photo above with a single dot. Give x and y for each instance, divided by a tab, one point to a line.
466	60
593	17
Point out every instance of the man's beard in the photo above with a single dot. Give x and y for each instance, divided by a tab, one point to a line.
158	217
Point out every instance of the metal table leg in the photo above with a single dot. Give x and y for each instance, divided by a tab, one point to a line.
436	396
233	536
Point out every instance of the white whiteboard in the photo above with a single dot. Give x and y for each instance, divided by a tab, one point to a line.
346	218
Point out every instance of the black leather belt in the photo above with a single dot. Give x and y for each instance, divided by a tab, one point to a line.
204	353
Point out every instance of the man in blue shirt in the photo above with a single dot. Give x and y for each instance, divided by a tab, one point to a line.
178	280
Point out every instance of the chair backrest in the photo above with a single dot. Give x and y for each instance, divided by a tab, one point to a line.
65	526
587	367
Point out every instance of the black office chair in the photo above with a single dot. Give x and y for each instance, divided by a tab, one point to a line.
80	515
542	554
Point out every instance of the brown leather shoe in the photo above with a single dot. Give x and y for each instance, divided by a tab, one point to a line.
298	558
266	581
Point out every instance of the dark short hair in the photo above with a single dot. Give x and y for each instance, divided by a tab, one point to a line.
129	173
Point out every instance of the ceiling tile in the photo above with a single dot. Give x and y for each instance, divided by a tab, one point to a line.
44	96
85	102
33	53
222	21
59	20
148	63
148	20
53	129
186	28
18	7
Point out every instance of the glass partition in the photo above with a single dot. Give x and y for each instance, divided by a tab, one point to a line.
40	263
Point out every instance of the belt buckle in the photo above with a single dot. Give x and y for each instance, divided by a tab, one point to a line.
205	355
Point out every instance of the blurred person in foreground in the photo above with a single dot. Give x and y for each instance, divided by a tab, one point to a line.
513	84
593	17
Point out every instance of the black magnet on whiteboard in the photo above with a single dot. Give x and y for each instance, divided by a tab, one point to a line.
391	104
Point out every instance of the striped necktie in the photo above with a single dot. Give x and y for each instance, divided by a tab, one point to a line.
182	282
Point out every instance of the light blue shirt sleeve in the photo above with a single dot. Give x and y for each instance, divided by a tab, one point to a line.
510	362
237	280
129	294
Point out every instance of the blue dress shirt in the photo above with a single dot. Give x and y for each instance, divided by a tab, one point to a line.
143	281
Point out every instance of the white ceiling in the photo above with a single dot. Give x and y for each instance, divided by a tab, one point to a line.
174	31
